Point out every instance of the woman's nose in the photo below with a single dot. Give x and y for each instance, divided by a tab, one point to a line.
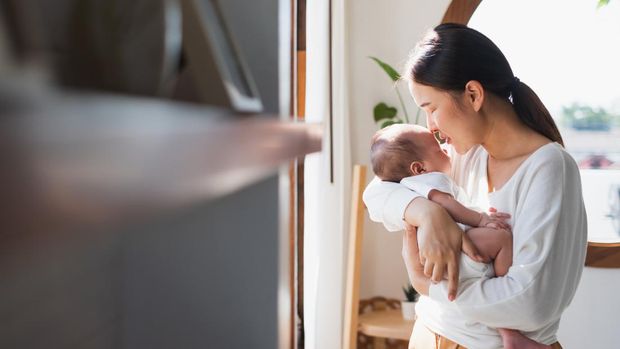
430	124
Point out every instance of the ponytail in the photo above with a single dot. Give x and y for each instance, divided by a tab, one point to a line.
532	112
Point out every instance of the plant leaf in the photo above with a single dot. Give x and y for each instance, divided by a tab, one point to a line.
391	72
602	3
383	111
391	122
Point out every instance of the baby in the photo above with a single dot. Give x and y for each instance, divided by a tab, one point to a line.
410	155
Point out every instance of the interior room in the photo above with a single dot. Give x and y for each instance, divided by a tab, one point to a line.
199	174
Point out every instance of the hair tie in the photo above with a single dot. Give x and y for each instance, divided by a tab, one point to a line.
514	84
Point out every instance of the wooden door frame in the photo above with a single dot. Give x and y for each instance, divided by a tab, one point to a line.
296	174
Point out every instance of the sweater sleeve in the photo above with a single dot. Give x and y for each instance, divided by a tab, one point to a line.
548	230
386	203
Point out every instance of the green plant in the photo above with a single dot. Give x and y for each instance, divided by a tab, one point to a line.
384	114
602	3
411	295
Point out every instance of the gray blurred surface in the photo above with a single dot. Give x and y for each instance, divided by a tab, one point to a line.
200	277
120	45
206	277
137	223
134	223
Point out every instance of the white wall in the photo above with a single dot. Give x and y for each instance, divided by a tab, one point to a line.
593	318
387	30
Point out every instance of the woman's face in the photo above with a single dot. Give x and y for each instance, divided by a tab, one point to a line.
454	119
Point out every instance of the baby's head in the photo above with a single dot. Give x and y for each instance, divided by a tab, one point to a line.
403	150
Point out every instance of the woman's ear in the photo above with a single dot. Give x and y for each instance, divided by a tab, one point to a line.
417	168
474	93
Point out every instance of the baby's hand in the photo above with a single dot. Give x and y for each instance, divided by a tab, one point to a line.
494	219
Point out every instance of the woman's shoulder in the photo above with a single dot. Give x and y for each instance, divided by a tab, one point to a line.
553	156
550	160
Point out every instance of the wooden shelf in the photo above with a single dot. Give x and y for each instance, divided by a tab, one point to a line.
386	323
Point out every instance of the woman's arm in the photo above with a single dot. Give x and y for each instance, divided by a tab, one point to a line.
415	269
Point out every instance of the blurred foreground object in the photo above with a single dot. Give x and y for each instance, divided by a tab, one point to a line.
129	220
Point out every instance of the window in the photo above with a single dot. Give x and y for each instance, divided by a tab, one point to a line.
567	52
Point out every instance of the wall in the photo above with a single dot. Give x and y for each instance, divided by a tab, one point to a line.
591	321
387	30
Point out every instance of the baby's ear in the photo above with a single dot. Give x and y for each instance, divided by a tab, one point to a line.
417	168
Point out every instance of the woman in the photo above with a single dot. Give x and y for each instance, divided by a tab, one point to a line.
507	154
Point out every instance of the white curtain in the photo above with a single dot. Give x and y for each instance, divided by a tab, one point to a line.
326	203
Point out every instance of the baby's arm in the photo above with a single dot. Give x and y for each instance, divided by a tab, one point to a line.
462	214
459	213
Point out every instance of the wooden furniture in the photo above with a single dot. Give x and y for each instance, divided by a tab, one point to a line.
385	324
388	323
354	258
381	325
378	317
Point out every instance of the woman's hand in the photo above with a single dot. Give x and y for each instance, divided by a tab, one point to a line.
440	243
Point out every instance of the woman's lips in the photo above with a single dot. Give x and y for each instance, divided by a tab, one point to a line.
439	137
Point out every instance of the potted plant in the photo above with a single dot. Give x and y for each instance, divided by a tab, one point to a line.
408	305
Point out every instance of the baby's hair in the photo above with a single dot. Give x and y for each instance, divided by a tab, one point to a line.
393	150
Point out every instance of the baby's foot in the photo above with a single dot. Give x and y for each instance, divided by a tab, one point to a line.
515	340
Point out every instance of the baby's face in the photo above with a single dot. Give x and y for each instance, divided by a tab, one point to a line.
435	158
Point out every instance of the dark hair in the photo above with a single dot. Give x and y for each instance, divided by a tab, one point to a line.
393	150
452	54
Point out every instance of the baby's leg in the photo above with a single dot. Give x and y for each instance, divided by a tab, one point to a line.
515	340
495	244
